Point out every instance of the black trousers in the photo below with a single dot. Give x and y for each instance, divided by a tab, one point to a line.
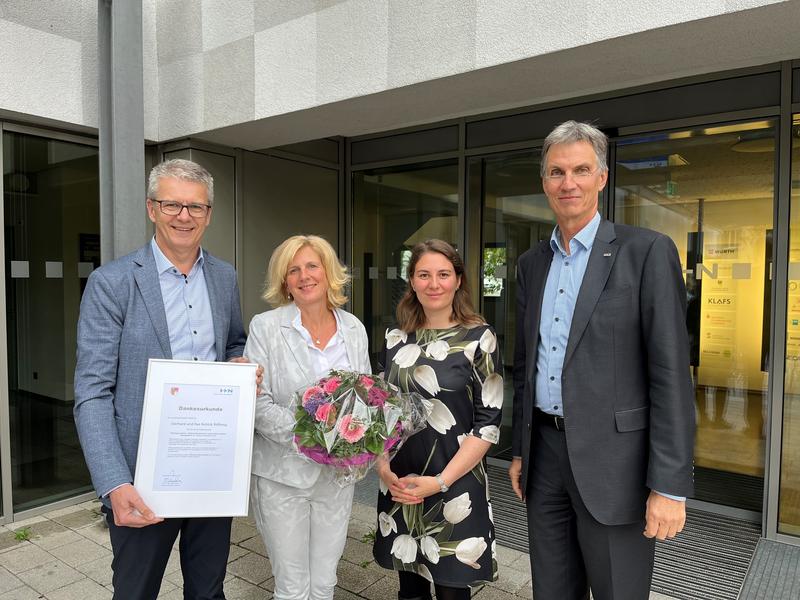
416	587
570	550
141	555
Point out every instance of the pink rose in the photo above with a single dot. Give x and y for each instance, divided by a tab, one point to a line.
367	382
351	429
331	385
311	392
323	412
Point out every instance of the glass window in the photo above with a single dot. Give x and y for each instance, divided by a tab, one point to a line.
52	243
394	209
789	502
515	216
711	190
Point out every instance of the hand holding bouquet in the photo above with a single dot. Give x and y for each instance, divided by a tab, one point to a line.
347	420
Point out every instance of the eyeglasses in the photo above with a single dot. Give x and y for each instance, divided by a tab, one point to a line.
172	208
579	174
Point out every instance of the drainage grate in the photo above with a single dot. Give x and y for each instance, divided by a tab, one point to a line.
774	572
708	561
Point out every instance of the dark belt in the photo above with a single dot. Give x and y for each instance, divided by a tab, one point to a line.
548	420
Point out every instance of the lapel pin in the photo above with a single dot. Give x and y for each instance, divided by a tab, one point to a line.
606	253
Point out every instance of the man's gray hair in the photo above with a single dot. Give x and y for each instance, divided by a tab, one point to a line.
570	132
182	169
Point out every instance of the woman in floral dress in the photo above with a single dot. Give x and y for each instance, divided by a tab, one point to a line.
434	513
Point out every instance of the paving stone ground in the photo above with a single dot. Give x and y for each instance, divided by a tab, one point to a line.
67	556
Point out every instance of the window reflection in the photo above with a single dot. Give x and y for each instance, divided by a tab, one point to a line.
711	191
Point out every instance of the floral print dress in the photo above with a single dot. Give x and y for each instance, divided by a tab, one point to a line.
448	539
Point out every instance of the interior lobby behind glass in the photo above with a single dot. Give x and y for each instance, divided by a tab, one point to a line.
394	209
52	243
711	190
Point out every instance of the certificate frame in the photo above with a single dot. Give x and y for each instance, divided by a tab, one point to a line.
196	438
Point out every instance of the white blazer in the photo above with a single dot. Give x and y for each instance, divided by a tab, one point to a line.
278	347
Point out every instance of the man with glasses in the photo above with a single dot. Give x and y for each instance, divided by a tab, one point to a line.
169	299
603	423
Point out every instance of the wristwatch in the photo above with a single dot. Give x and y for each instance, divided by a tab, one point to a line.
444	487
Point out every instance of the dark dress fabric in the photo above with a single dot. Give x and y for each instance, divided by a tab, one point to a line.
450	540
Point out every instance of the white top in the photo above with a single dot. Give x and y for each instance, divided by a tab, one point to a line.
333	356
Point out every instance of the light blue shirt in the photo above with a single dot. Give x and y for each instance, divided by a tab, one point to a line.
188	309
558	303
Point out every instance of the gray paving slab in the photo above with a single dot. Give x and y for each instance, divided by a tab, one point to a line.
50	576
251	567
8	581
8	541
239	589
78	519
356	578
56	539
24	557
22	593
242	530
98	570
357	551
236	552
385	588
84	589
510	580
81	552
255	544
97	532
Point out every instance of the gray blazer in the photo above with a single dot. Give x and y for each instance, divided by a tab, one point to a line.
626	389
122	324
278	347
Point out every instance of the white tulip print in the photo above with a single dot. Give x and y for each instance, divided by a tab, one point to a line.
440	417
394	337
470	550
430	548
438	350
469	351
490	433
387	524
404	548
457	509
488	341
492	395
425	376
407	356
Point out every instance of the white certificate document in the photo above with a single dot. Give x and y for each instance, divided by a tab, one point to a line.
196	440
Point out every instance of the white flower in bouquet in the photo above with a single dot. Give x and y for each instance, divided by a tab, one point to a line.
457	509
490	433
492	395
404	548
438	350
470	550
407	355
469	351
439	416
394	337
430	548
426	377
387	524
488	341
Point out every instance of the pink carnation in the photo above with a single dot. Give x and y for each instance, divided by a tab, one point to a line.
323	412
331	385
311	392
351	429
367	382
376	396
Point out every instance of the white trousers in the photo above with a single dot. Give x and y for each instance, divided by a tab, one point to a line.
305	531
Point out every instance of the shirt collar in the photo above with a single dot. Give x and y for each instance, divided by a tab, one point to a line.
585	237
297	323
163	264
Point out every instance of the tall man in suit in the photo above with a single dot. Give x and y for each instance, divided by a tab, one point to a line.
603	424
168	299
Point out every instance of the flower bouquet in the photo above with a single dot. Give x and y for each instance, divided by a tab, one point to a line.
347	420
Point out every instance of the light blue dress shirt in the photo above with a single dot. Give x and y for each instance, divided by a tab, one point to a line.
558	303
188	309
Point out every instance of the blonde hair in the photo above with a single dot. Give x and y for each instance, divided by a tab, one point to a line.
275	292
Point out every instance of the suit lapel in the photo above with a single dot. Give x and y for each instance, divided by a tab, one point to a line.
146	276
601	261
214	299
295	342
536	278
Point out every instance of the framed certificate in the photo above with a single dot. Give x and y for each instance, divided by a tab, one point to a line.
196	439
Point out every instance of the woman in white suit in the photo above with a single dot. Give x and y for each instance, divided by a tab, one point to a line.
301	513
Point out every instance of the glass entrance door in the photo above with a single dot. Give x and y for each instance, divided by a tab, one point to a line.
711	190
52	243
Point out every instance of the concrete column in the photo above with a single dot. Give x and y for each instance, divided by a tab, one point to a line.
122	177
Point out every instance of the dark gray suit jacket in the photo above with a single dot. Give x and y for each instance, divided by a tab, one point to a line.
122	324
626	388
